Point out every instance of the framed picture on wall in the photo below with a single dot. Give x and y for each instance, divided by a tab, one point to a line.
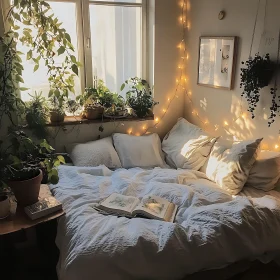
216	62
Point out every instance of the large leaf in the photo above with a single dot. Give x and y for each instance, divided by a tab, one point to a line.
75	69
61	50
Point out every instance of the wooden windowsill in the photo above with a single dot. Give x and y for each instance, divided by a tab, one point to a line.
79	120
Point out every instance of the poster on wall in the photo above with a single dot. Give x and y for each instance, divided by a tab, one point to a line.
216	61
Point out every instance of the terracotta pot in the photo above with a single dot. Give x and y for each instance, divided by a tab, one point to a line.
56	117
27	191
94	113
4	206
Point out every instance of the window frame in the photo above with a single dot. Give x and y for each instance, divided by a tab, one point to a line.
88	65
84	36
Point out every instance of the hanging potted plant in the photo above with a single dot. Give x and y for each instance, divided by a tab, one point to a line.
256	74
139	96
24	165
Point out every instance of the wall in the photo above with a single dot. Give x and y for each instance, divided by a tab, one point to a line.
216	105
167	33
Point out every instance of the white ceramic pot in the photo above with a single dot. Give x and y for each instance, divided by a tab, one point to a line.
4	206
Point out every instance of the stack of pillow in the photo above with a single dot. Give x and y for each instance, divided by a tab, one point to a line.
232	166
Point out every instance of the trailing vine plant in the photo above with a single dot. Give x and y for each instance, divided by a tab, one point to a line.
49	40
256	75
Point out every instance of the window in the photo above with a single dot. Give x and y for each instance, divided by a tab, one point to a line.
109	38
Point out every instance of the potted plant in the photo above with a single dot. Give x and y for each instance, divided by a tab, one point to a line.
139	96
117	110
256	75
57	109
24	165
37	114
93	111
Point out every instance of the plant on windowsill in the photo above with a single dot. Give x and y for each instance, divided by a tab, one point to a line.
57	109
24	164
256	74
37	115
139	96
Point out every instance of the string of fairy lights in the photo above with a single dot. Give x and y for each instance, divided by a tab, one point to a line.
181	86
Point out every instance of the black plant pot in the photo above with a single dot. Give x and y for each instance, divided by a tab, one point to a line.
265	78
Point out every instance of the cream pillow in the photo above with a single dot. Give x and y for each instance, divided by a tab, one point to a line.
230	168
139	151
94	153
265	172
187	146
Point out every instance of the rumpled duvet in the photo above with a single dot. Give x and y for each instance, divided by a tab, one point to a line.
212	228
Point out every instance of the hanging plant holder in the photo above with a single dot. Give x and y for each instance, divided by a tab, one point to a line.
256	74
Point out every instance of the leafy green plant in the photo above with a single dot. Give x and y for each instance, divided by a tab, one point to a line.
10	74
99	95
139	96
256	75
47	39
72	106
37	115
21	159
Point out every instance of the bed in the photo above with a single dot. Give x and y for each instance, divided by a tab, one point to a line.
213	229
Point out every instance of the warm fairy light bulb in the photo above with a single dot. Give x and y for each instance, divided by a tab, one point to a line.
144	127
190	93
276	147
177	81
193	112
225	123
168	99
157	119
244	115
164	110
206	122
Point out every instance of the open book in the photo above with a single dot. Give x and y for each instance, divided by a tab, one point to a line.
150	206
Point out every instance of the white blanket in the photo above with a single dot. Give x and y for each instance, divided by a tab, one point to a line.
212	229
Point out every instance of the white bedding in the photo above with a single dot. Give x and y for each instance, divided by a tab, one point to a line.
212	229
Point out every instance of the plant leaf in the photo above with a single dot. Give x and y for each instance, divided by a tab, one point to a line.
75	69
36	67
61	50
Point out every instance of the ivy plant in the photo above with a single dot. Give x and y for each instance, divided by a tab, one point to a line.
49	40
256	75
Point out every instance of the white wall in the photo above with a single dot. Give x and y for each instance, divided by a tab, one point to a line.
167	32
218	105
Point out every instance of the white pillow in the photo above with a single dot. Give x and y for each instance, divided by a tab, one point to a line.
187	145
230	168
94	153
265	172
139	151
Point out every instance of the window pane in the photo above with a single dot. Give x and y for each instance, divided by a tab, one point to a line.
116	40
38	81
123	1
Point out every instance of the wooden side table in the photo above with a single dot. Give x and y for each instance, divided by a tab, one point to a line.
30	262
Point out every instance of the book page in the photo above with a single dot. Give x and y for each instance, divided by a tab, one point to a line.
120	202
153	205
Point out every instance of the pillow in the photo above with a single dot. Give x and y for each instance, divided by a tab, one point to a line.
265	172
187	146
230	168
94	153
139	151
